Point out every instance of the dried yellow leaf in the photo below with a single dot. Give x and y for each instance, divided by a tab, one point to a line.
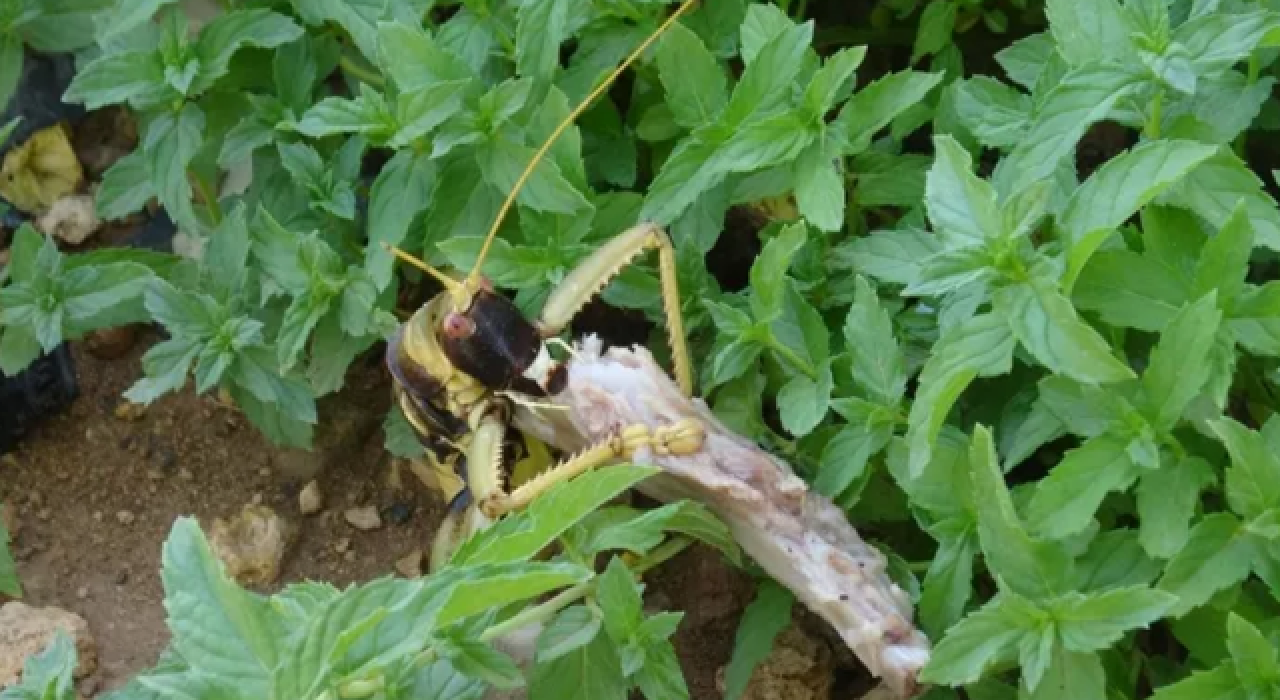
41	171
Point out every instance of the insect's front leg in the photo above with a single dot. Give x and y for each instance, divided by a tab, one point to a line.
683	438
591	276
483	468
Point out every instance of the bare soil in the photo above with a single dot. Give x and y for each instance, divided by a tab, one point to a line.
96	489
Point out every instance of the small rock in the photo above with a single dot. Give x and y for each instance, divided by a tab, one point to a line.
125	517
111	343
82	592
342	545
122	577
258	499
45	514
35	500
410	565
310	501
155	475
186	475
72	218
365	518
130	411
187	245
26	631
265	472
98	516
349	556
252	545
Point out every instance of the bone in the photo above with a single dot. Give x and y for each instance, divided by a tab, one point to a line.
799	537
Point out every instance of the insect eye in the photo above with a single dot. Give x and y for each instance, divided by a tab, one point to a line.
458	326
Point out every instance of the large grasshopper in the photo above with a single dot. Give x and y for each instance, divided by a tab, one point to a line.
467	356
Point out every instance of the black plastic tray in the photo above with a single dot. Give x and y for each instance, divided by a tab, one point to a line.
43	390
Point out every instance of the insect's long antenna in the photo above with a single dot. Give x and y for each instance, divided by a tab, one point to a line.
449	283
565	124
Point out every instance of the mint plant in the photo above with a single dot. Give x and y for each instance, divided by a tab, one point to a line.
435	636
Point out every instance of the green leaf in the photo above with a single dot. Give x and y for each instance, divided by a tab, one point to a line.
1130	290
618	595
845	456
1096	621
402	190
1224	260
134	77
549	516
880	102
985	638
1046	324
1217	684
661	677
878	364
1219	40
1120	188
695	84
126	187
1167	499
1028	566
1066	500
1086	95
541	27
1214	190
761	622
11	60
570	630
171	143
1179	364
10	584
995	113
803	402
640	531
826	85
220	628
819	188
982	346
475	659
1070	676
1025	59
1253	481
959	203
934	32
590	672
1216	556
894	257
1254	655
228	33
502	161
769	271
1088	30
1115	559
948	584
414	59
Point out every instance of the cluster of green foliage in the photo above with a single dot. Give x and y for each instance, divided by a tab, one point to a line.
1049	390
430	637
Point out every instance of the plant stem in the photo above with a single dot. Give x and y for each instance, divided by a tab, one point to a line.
360	72
210	199
538	613
1157	114
661	554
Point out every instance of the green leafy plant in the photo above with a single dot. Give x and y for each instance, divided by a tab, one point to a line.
434	636
47	26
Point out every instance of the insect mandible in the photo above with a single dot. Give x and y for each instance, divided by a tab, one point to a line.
468	355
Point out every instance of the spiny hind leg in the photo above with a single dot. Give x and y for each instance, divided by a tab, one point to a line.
682	438
591	276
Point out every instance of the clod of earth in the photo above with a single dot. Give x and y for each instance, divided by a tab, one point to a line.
26	631
252	545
